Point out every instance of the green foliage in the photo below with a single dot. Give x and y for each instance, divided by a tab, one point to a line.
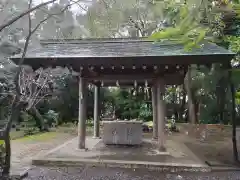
237	96
171	125
28	124
2	156
51	117
65	101
131	104
89	123
145	112
187	23
186	30
149	124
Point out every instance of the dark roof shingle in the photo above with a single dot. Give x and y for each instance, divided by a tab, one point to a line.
127	52
120	48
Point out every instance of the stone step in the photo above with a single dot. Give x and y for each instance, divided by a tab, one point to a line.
154	166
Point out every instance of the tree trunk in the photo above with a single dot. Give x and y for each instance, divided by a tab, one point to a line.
39	119
6	169
196	108
191	106
183	102
234	142
14	116
221	96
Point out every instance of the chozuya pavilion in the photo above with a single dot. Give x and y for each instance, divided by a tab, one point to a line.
126	61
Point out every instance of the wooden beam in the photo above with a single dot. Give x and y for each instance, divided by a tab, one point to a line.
137	77
127	80
131	83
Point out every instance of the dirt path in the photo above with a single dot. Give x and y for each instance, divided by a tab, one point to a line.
217	152
24	149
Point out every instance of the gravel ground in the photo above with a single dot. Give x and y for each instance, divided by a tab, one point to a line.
91	173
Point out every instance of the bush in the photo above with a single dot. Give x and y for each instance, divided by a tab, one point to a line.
145	112
147	126
30	131
51	117
171	125
2	155
28	125
89	123
67	125
30	128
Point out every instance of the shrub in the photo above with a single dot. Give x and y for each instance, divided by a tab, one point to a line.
51	117
89	122
145	112
28	125
29	131
171	125
2	156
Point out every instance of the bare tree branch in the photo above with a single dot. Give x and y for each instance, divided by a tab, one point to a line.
18	71
3	5
28	89
24	13
137	26
65	8
16	101
79	5
51	15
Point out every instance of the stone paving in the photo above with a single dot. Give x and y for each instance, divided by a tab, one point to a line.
24	151
96	173
178	155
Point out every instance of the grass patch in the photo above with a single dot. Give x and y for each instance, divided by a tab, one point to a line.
39	137
16	134
71	129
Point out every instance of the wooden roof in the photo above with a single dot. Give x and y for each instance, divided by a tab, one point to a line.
124	60
120	52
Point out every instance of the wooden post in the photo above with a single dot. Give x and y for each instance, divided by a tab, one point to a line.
82	116
154	111
191	106
234	125
161	114
96	111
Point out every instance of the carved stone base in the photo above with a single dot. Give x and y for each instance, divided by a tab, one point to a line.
82	150
154	139
95	137
122	132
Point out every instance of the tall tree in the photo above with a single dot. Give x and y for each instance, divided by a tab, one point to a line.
199	21
29	92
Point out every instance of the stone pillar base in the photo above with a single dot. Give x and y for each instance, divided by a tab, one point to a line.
162	149
238	135
154	139
96	137
82	150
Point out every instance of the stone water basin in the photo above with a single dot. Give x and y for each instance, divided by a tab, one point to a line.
122	132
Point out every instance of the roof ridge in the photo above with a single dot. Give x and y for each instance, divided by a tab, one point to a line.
93	40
